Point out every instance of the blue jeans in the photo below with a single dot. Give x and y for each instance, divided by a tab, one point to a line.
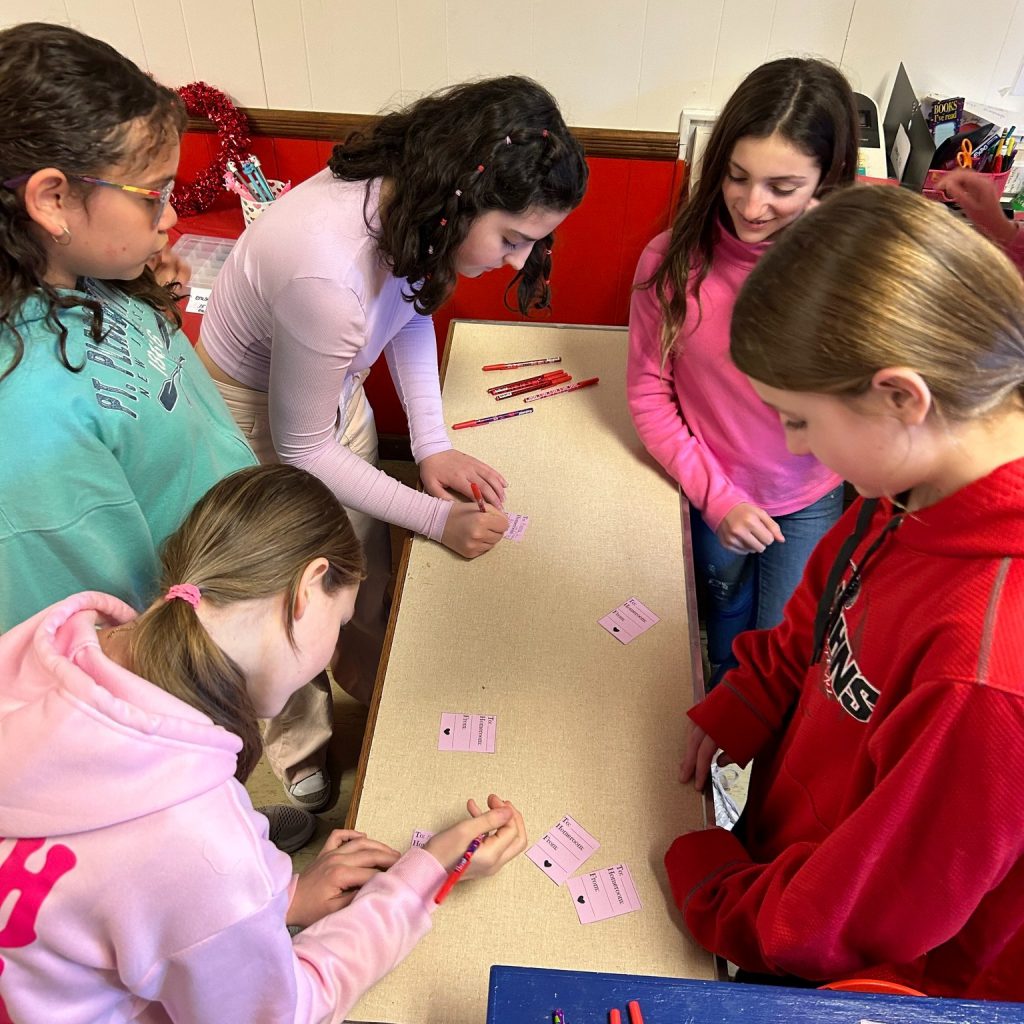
749	591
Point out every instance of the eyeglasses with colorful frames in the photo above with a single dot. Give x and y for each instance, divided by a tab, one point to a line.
161	197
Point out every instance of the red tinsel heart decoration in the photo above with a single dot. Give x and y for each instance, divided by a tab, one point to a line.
202	100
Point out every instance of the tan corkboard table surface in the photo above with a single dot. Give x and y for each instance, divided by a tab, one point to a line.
586	726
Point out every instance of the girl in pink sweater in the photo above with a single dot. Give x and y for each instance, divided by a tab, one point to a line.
786	136
137	878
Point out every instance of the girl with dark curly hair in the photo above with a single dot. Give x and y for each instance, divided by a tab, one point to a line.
350	264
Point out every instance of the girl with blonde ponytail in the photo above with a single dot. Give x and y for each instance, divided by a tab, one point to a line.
155	882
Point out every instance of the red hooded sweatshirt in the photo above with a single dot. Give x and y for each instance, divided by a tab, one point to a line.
884	832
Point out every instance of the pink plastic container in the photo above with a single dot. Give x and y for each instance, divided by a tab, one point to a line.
932	186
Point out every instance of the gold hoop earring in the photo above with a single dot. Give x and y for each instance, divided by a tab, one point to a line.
64	238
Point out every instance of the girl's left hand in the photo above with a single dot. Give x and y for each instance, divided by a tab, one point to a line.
506	838
696	763
454	470
347	862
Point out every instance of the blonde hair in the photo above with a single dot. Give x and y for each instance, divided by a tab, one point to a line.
252	535
878	277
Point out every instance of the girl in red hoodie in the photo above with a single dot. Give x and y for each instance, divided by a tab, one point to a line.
884	832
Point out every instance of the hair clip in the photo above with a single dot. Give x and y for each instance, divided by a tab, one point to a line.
444	220
430	250
508	140
544	134
458	192
547	252
479	168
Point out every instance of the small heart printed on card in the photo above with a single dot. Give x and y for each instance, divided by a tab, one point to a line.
547	863
580	899
447	732
615	629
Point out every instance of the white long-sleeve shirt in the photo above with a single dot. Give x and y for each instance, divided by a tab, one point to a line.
303	304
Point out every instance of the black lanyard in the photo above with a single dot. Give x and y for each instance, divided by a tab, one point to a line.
834	596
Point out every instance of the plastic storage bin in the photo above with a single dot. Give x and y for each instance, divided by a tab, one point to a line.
205	255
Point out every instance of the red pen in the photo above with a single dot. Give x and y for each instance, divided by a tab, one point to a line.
614	1017
563	378
489	419
525	380
564	389
456	872
523	362
479	497
635	1016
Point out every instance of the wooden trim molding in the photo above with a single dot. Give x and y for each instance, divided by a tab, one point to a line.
312	124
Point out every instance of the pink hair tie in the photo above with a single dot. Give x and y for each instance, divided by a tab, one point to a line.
186	591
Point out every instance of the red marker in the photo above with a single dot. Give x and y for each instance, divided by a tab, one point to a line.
464	860
562	378
479	497
526	380
490	419
523	362
614	1017
564	389
635	1016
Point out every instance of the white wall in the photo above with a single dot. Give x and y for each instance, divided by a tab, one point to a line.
611	63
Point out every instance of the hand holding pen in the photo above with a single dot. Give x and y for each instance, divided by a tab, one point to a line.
503	838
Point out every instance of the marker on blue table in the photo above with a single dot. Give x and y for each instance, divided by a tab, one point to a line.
558	1017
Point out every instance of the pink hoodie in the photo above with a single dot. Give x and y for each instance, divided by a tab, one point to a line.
700	418
146	887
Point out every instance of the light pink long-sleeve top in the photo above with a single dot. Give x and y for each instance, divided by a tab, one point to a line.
139	880
699	417
301	306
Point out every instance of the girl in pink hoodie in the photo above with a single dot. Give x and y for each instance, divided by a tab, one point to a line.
786	136
138	880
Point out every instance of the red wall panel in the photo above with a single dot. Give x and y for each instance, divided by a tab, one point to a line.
596	248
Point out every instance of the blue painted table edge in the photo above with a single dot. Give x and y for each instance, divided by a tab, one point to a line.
529	995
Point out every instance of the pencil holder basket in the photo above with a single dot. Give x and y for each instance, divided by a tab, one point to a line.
251	209
932	186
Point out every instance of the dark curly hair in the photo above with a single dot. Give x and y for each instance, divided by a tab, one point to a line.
69	101
497	144
806	101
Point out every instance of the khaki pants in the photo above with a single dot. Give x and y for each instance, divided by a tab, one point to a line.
296	740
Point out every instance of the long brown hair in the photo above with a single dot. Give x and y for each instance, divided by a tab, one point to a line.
497	144
808	103
69	101
879	277
252	535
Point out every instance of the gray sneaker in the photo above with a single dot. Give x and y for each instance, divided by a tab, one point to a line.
311	792
290	828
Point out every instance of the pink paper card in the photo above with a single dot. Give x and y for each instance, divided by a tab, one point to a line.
602	894
516	526
420	838
475	733
563	849
629	620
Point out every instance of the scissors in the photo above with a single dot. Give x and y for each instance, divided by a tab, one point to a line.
965	158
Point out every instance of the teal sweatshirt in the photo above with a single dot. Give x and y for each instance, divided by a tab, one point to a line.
100	466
